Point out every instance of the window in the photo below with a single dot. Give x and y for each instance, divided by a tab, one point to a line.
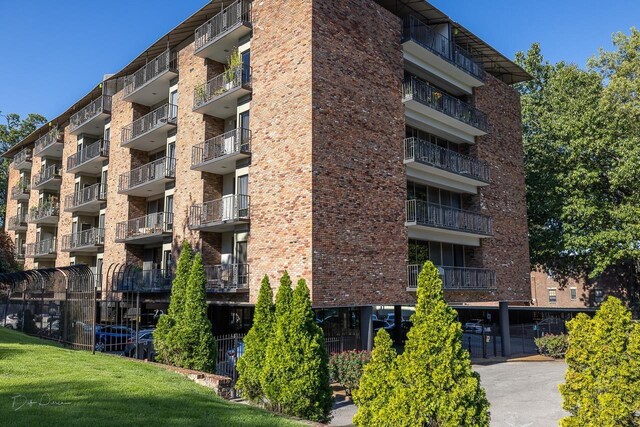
246	63
574	294
173	104
553	295
598	296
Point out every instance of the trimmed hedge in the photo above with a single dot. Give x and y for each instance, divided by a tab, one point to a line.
346	368
553	345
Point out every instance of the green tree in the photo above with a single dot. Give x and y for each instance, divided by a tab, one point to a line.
11	133
376	384
194	335
251	364
602	382
581	133
8	262
434	383
164	336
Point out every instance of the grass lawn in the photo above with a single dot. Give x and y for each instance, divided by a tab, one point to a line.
93	390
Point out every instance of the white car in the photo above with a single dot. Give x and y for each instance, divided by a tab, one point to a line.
477	326
11	321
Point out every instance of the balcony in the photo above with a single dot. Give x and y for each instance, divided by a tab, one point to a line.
87	200
21	191
218	36
18	222
219	154
45	249
438	111
19	254
219	96
150	84
145	230
46	213
49	145
91	118
149	132
431	164
135	280
48	179
149	179
430	221
457	278
88	161
23	159
87	241
227	278
220	215
432	51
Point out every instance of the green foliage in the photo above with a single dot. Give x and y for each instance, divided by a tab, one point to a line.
164	339
346	368
602	383
581	134
433	382
194	336
553	345
13	132
295	379
377	382
251	364
8	262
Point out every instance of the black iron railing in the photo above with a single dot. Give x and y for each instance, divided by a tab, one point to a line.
456	278
22	156
23	187
434	215
17	221
139	280
166	61
149	225
96	149
83	239
95	192
428	153
95	108
235	141
52	137
236	13
221	84
167	114
46	174
47	208
43	247
227	277
441	101
427	37
158	169
230	208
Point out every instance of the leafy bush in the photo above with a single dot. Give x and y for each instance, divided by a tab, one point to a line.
553	345
346	368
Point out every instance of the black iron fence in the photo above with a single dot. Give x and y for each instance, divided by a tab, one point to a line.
232	15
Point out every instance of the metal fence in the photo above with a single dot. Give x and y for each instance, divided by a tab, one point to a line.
435	215
96	149
93	109
234	14
234	141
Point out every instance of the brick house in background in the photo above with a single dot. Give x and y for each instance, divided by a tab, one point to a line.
347	141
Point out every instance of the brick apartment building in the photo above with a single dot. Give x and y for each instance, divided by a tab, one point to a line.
346	141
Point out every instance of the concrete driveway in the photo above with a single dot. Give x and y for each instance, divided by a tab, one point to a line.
521	394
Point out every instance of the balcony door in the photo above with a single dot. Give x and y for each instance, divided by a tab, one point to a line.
243	191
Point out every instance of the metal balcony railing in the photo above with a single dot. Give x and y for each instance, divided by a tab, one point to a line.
83	239
234	14
227	277
428	95
139	280
456	278
19	253
235	141
17	221
46	174
96	149
438	216
167	60
159	169
95	192
221	84
168	113
148	225
43	247
21	188
431	154
52	137
234	207
96	107
427	37
45	209
22	156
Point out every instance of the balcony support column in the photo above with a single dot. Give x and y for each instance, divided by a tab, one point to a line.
397	327
504	329
366	328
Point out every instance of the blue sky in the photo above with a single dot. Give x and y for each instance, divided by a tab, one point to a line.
53	52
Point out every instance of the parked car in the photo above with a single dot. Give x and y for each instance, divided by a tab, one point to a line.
113	337
477	326
11	321
380	324
234	354
145	337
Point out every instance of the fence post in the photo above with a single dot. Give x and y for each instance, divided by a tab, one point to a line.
93	321
522	328
484	344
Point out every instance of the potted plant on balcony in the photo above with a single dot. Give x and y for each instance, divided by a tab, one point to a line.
231	70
